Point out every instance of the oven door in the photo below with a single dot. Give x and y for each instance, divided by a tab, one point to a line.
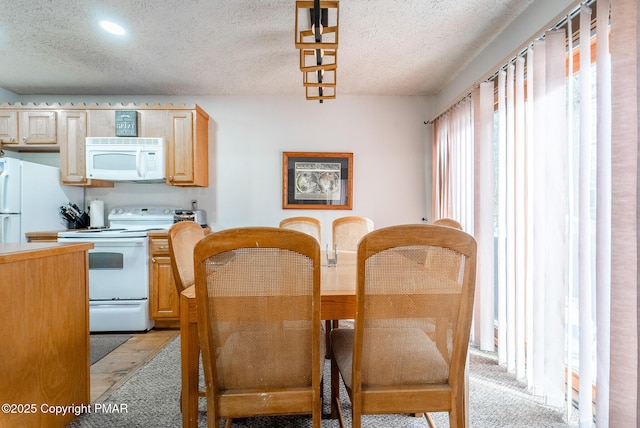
118	268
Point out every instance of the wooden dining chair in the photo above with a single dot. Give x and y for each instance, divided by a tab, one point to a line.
407	351
308	225
258	304
183	237
347	231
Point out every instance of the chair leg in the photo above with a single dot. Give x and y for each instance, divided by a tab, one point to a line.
457	414
335	389
356	417
430	422
327	334
335	404
317	414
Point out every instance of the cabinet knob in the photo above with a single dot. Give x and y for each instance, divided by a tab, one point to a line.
171	178
24	139
11	140
153	260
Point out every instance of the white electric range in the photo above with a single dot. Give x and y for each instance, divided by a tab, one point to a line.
119	267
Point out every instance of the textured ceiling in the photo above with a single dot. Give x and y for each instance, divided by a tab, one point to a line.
237	47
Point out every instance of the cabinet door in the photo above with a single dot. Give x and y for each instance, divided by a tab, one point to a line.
101	123
71	134
37	127
165	302
152	123
180	147
8	127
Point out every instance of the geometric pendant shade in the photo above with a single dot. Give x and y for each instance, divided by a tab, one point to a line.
316	24
316	36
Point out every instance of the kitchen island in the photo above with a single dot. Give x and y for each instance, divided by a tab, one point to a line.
44	338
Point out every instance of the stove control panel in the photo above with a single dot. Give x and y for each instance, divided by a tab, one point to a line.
142	213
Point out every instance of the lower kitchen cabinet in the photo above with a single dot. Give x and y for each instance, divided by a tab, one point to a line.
165	300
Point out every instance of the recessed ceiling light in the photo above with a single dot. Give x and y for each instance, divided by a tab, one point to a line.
112	27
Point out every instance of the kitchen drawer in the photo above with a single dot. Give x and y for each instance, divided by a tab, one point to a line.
159	246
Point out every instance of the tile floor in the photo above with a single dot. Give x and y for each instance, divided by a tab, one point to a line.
115	368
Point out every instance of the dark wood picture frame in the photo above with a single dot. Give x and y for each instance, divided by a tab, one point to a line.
317	180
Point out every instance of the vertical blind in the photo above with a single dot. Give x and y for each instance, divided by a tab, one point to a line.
521	166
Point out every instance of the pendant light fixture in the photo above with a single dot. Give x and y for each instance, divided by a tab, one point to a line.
316	36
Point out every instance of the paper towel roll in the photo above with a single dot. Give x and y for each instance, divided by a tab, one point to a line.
96	213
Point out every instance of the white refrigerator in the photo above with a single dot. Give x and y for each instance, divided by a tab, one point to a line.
30	199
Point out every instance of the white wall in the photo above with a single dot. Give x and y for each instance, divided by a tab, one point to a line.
387	135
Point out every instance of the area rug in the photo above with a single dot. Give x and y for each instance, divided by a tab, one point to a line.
101	344
151	398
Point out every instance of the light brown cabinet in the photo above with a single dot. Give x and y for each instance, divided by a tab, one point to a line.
186	134
45	347
28	130
163	294
8	127
187	148
51	236
64	128
151	123
37	128
72	130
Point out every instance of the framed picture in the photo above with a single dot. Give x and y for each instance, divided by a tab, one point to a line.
317	180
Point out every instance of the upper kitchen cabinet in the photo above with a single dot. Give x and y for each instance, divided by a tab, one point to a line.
151	123
28	129
37	127
187	139
72	130
8	127
186	134
64	128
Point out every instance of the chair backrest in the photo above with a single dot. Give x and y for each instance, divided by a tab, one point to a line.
308	225
183	237
448	222
258	300
347	231
415	291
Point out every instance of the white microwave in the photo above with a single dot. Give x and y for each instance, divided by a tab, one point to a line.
125	158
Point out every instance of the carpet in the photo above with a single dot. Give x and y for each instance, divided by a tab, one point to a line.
100	344
151	398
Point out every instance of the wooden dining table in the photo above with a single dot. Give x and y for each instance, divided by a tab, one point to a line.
338	302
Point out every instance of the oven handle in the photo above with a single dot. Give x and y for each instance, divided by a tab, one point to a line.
109	242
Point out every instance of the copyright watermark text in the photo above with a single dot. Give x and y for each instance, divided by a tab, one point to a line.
76	409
